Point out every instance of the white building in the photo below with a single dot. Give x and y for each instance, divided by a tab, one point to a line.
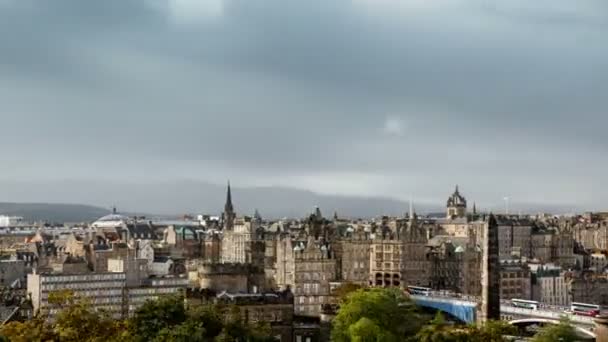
102	290
107	291
10	221
549	286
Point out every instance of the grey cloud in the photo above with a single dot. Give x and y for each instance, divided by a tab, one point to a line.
285	89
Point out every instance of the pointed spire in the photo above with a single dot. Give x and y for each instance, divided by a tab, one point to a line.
114	209
228	215
456	189
474	208
228	207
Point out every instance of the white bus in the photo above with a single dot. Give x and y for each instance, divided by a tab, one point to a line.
585	309
527	304
417	290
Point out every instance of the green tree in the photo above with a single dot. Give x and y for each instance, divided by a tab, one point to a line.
345	289
155	316
564	332
387	311
211	318
494	331
189	331
438	330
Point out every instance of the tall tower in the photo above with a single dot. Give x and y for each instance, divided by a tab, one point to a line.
228	215
490	273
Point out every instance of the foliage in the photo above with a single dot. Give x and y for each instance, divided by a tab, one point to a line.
33	330
376	315
155	316
493	331
79	323
345	289
164	320
438	330
564	331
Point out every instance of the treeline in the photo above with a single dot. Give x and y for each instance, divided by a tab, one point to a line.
365	315
167	319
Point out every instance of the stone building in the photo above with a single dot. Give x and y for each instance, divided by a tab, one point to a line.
355	258
587	287
542	246
514	236
398	256
455	265
212	247
273	308
385	261
243	237
314	268
553	246
183	241
284	274
592	235
237	278
415	265
515	280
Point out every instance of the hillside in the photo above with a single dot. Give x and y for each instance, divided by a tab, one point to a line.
52	212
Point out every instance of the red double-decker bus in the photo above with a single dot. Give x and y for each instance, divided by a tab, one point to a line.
585	309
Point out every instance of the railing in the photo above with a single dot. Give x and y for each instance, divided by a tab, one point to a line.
556	315
553	312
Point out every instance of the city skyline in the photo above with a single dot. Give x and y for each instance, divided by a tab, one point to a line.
358	98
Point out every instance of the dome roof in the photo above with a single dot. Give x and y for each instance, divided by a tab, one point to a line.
112	218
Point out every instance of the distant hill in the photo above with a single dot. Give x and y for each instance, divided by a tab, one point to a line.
192	197
51	212
175	198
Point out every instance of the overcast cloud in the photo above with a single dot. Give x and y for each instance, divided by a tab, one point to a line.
394	98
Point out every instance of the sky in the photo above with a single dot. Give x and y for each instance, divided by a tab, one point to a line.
391	98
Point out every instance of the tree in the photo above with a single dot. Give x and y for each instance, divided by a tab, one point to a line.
77	321
155	316
189	331
563	331
210	317
438	330
495	331
345	289
387	312
33	330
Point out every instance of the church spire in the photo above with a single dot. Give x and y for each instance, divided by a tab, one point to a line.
228	206
228	215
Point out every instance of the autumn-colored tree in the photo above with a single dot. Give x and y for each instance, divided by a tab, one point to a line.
35	329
